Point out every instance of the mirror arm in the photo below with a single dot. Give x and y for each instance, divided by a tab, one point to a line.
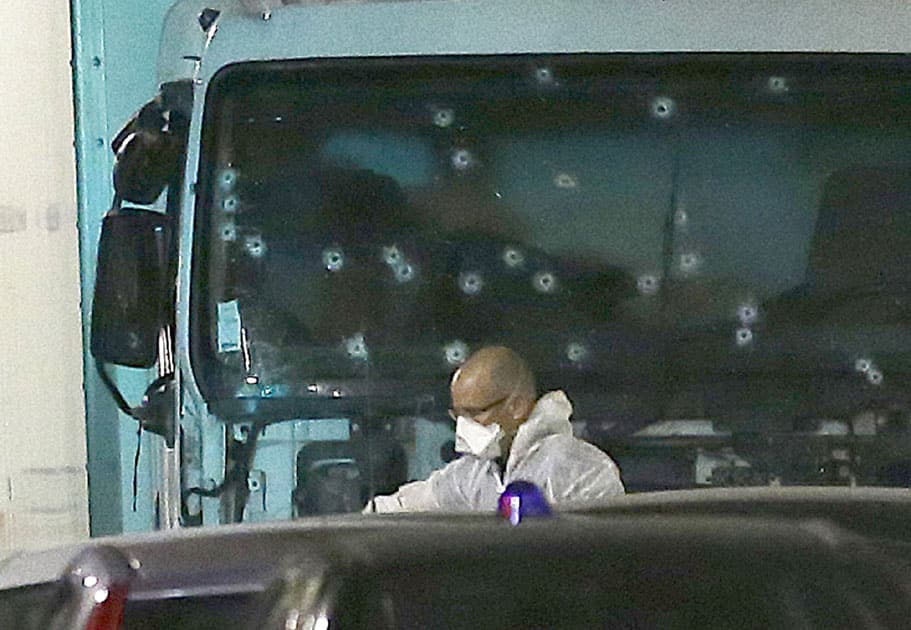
119	400
155	413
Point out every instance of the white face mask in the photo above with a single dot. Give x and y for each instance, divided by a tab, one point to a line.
479	440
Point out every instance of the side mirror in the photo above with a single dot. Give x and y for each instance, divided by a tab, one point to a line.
148	148
134	286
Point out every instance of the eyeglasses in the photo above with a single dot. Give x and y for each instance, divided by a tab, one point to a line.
476	412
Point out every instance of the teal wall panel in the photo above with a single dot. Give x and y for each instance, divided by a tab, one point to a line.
115	48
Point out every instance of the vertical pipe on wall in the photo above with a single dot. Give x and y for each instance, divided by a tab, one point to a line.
93	167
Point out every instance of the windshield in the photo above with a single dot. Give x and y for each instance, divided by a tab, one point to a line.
707	253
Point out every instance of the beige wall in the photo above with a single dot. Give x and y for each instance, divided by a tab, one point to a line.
43	496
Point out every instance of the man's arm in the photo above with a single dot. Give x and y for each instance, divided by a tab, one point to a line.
417	496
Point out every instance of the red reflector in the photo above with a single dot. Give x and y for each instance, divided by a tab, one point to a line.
99	581
108	614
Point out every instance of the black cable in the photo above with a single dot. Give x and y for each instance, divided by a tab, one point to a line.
132	412
248	454
119	400
231	476
136	465
236	477
125	407
217	491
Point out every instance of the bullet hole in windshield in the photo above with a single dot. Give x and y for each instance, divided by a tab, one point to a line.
513	257
744	336
875	377
778	85
648	284
230	204
229	231
471	282
404	272
356	347
255	246
462	160
333	259
863	365
443	118
226	179
544	75
456	352
689	262
576	352
392	256
565	181
544	282
663	107
747	314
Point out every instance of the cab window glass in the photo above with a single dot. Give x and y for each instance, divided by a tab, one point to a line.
708	253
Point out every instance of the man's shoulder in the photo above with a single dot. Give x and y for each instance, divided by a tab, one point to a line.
568	441
569	446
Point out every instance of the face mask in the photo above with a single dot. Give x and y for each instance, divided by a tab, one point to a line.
479	440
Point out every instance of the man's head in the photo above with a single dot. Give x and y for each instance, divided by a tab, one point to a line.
494	385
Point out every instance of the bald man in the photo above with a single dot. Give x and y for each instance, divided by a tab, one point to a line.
505	433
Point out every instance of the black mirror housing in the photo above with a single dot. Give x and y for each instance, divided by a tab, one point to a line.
149	149
134	286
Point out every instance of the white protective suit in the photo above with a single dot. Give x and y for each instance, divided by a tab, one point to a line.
571	472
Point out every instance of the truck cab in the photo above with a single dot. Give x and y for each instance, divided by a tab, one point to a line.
700	234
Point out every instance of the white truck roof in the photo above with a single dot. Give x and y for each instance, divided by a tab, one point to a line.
248	30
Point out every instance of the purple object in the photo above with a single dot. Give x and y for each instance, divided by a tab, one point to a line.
521	499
